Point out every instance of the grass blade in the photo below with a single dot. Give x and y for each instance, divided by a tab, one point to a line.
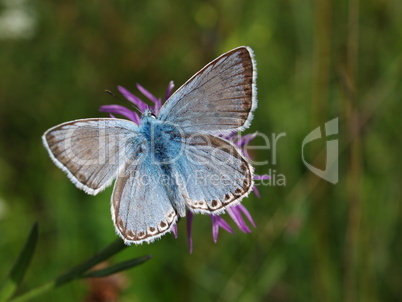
122	266
14	278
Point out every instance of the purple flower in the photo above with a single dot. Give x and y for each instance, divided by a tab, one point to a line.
238	213
137	103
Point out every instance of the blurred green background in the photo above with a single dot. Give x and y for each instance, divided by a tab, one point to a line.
317	60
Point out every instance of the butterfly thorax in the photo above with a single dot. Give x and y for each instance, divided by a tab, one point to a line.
163	139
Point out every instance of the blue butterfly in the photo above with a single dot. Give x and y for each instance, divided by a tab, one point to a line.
170	162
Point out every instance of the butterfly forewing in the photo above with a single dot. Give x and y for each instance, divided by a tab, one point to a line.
218	99
92	151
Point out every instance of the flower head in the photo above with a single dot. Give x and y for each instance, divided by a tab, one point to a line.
137	103
238	213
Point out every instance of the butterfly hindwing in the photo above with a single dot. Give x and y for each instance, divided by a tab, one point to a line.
218	99
212	173
92	151
141	205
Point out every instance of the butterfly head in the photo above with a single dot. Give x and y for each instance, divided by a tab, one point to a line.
148	113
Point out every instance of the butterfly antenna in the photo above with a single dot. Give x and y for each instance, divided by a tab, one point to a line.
123	100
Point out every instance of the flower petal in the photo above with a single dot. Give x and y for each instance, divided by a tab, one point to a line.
175	231
246	213
256	192
244	140
230	136
261	177
169	90
189	225
238	219
217	222
117	109
148	95
133	99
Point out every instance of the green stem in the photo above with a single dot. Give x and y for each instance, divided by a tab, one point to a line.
75	273
35	292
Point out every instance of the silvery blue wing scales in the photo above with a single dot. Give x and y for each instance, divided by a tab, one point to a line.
170	162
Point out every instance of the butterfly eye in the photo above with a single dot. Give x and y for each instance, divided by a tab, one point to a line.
153	115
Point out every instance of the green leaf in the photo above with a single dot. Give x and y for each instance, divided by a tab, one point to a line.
14	278
78	271
122	266
74	273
